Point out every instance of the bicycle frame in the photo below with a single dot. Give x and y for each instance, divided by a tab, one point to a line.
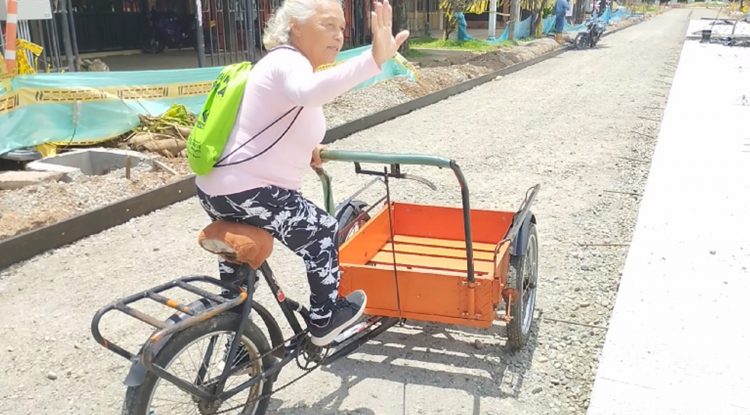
288	307
243	299
291	351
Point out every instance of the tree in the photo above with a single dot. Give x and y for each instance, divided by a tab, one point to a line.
399	22
450	7
537	15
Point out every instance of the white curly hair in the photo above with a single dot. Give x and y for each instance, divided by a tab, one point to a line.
279	25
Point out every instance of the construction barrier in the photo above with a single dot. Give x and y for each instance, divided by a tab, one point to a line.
89	107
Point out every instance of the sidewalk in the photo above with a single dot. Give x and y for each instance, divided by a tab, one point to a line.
678	340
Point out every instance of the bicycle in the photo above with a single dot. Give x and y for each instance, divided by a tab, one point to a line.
240	378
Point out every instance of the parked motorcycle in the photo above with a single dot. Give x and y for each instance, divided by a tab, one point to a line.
589	37
167	30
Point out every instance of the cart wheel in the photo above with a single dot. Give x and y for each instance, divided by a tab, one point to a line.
151	43
351	213
199	352
581	41
523	277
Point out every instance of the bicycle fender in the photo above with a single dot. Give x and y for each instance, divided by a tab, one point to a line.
137	373
522	240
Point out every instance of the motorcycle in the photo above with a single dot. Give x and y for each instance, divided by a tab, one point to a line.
167	30
589	37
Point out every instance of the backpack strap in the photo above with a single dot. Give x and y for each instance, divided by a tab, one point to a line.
290	47
299	109
256	135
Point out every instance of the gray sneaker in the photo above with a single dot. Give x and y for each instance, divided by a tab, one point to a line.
344	313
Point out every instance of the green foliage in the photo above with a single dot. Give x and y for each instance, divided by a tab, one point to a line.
470	45
412	52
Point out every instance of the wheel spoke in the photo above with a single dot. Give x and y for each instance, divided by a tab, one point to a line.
168	397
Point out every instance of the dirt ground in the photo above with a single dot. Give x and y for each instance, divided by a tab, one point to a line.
582	125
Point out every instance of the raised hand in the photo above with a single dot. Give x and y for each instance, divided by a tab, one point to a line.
384	44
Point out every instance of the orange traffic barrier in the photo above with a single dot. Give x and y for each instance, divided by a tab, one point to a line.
10	36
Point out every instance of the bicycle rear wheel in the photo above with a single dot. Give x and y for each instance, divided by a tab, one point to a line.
200	353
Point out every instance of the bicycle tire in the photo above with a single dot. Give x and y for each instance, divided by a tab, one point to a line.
581	41
349	213
523	276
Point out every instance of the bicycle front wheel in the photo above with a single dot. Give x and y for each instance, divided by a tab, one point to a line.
198	355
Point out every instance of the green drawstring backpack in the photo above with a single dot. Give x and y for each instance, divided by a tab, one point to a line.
216	119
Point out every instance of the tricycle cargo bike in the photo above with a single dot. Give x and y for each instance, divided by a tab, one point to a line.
455	266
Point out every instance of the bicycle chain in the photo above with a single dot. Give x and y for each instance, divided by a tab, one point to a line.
306	372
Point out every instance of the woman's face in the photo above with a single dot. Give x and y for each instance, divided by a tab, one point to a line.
321	36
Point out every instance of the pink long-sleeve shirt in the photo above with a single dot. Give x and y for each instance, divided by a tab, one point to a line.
282	80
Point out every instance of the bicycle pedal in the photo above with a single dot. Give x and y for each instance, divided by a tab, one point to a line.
351	331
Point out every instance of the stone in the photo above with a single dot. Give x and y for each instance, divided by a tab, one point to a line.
10	180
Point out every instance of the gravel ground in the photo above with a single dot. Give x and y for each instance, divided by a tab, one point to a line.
581	124
31	207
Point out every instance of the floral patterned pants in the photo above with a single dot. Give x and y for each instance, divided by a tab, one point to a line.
304	228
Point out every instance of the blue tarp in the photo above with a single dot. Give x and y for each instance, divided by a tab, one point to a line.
523	29
463	33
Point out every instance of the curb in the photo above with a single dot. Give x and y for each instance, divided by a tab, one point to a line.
30	244
35	242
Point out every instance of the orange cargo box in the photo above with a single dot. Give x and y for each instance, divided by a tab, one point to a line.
429	252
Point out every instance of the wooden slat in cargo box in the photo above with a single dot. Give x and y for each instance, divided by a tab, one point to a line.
446	243
435	271
435	251
421	261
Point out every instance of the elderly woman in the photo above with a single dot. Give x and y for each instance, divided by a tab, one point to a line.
277	135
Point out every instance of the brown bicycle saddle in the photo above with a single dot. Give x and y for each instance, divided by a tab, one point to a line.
237	242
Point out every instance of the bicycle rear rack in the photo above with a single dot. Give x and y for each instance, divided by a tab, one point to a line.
166	328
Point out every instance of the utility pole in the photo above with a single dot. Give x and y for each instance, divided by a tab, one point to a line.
493	19
67	42
200	41
74	37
